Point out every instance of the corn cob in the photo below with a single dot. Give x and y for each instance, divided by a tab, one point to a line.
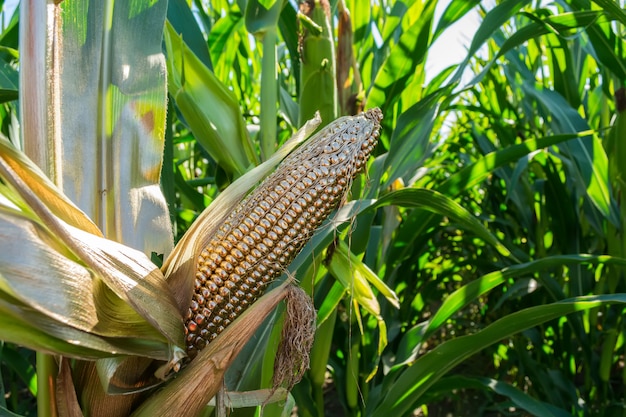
270	226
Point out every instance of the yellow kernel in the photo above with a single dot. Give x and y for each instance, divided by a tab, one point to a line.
205	293
297	208
243	247
217	280
272	235
212	286
221	273
264	205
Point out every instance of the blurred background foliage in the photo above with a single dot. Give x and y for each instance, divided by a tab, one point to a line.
482	269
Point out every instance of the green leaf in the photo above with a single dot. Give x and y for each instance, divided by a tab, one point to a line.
8	82
184	22
288	26
613	8
561	25
267	4
589	161
467	178
492	22
209	108
223	32
470	292
474	173
404	57
456	10
409	144
438	203
7	413
331	301
405	392
608	48
262	15
518	397
15	360
356	278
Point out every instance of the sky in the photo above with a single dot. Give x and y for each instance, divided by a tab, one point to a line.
451	47
9	7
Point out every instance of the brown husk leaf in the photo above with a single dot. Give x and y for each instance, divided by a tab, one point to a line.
196	384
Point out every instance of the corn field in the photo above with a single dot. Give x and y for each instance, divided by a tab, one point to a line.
287	208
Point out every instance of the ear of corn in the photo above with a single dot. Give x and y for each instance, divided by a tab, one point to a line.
269	228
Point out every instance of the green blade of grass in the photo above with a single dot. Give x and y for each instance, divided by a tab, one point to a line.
436	202
403	59
519	398
209	108
589	161
405	392
493	21
470	292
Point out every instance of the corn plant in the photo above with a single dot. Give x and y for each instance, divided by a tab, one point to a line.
476	268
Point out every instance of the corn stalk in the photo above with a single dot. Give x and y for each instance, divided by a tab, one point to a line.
318	85
92	282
